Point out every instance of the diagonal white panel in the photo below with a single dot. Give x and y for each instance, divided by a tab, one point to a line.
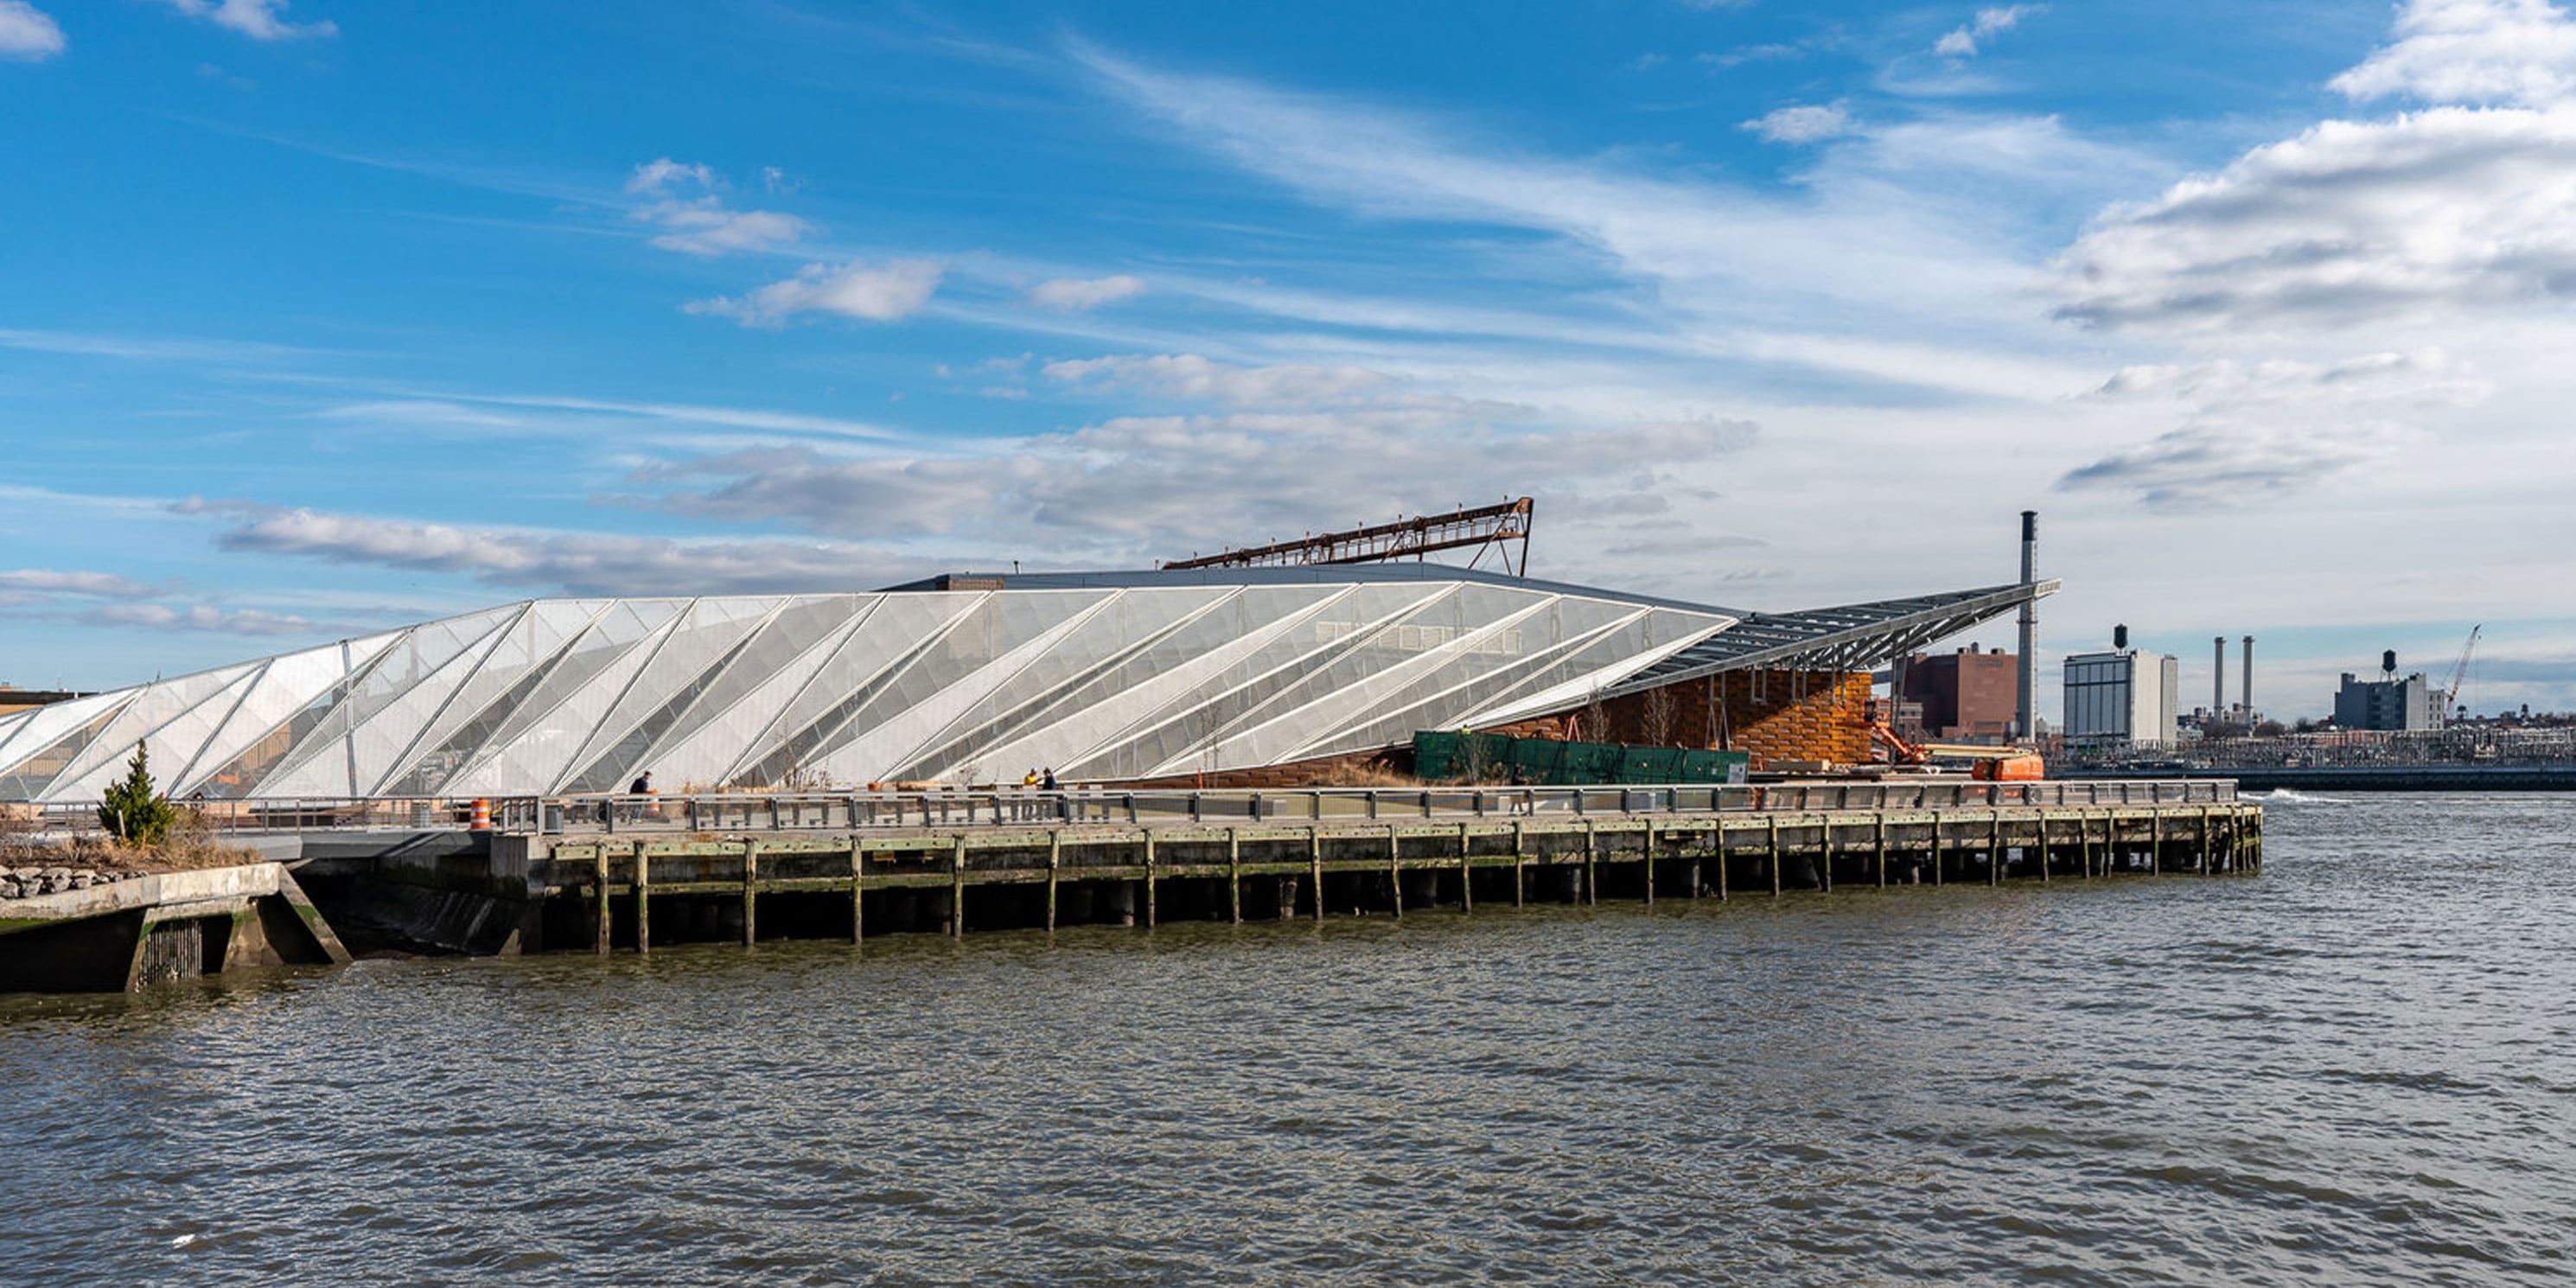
964	671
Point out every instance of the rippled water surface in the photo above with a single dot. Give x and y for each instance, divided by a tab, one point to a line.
2359	1067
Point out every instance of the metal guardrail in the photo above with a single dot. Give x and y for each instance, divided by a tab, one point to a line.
1016	806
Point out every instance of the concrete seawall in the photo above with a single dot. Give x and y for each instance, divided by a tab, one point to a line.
118	936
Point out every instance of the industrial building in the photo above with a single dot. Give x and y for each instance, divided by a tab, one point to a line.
1219	674
1972	695
2121	698
2388	703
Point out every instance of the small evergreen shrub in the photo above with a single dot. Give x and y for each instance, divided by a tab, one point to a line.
133	812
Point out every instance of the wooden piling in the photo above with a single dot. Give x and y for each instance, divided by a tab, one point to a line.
1150	883
1466	872
750	893
1520	865
1720	835
858	892
1825	856
957	888
1882	851
2203	866
643	900
1994	849
1647	850
1593	843
1315	865
1395	868
1772	859
599	890
1055	868
1234	873
2043	848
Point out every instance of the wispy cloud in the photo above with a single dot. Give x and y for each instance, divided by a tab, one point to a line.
27	33
880	292
199	617
569	562
105	585
462	409
1075	294
687	203
257	19
1187	375
1963	42
1805	123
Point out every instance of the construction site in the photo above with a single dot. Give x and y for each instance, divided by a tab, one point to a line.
1336	724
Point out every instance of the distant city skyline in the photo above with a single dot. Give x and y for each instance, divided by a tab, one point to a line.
319	318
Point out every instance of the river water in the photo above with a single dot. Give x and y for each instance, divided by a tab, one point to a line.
2359	1067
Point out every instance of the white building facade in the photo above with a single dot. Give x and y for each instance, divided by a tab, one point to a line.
2120	698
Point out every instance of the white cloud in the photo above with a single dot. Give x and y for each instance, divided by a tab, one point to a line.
882	292
106	585
658	176
460	411
2348	224
27	33
257	19
1899	253
2472	51
582	563
1187	375
2260	430
1805	123
1137	487
199	617
687	204
1075	295
1739	56
1962	43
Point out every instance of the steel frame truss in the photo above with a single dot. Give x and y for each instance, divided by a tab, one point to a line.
1852	638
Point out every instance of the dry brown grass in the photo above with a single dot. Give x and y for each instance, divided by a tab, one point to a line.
1362	774
190	846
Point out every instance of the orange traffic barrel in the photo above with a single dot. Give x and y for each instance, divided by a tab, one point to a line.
482	814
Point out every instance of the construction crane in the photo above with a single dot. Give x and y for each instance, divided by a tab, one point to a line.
1491	527
1990	764
2459	674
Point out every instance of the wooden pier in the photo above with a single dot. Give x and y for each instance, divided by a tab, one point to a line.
641	887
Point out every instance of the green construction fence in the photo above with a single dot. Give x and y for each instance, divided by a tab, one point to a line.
1550	762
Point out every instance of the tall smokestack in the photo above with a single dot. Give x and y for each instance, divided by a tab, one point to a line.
2248	677
2218	685
2022	725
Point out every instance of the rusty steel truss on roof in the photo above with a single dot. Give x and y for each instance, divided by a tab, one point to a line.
1491	527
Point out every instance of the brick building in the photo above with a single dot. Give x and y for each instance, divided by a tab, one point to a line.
1966	696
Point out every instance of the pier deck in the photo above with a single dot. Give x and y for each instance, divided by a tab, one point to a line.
1294	855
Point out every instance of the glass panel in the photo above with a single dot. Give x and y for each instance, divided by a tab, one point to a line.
612	638
85	717
376	747
796	628
1449	642
678	670
1180	663
1126	626
1318	641
733	718
521	650
320	763
537	751
1440	701
154	705
893	633
960	667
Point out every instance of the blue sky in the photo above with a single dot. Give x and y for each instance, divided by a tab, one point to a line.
322	317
